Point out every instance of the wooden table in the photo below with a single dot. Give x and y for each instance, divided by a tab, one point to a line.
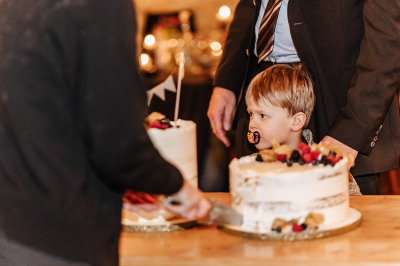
375	242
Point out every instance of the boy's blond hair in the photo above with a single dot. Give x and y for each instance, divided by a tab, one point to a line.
286	86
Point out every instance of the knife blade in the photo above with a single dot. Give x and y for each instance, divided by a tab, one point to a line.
221	214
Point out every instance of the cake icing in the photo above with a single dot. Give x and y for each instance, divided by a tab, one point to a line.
176	143
178	146
270	194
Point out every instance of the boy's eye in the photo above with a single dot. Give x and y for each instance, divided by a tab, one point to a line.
263	116
250	114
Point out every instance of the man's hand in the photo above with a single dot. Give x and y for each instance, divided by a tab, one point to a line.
220	111
189	203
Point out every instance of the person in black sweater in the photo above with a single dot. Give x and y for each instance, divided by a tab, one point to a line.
72	140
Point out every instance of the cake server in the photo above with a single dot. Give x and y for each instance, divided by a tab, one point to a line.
221	214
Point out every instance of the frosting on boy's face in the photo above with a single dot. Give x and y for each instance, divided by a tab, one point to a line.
271	122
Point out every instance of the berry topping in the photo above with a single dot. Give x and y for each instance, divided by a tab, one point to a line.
307	157
281	157
157	124
157	120
295	156
323	160
306	149
166	122
323	154
332	153
302	145
315	155
311	221
277	229
332	159
297	227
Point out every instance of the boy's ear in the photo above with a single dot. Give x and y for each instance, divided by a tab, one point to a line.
298	121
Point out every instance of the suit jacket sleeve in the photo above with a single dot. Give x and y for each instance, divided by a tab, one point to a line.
377	78
232	68
115	102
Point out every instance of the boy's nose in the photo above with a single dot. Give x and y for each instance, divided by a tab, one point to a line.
252	125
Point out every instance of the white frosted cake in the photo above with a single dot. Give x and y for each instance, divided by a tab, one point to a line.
176	142
178	146
285	195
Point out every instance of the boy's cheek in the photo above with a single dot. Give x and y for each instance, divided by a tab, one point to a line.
263	145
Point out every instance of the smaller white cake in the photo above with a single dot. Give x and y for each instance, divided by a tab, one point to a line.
178	146
271	195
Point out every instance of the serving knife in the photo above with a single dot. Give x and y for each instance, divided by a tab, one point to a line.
221	214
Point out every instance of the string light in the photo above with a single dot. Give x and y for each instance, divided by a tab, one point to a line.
149	41
215	46
224	11
144	59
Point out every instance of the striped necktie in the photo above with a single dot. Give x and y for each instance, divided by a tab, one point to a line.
267	28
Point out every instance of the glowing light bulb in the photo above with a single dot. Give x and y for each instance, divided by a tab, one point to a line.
149	40
144	59
215	46
224	11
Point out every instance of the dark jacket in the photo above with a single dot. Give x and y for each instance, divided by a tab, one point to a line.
352	49
71	126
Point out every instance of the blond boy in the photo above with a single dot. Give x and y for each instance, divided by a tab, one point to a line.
280	101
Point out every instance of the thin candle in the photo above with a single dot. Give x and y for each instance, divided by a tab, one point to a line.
178	90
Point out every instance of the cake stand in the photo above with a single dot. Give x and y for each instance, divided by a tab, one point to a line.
154	227
352	222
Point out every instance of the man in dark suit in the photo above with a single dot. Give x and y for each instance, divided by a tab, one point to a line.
352	50
72	107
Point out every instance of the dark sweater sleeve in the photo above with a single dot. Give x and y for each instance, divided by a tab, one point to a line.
115	103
